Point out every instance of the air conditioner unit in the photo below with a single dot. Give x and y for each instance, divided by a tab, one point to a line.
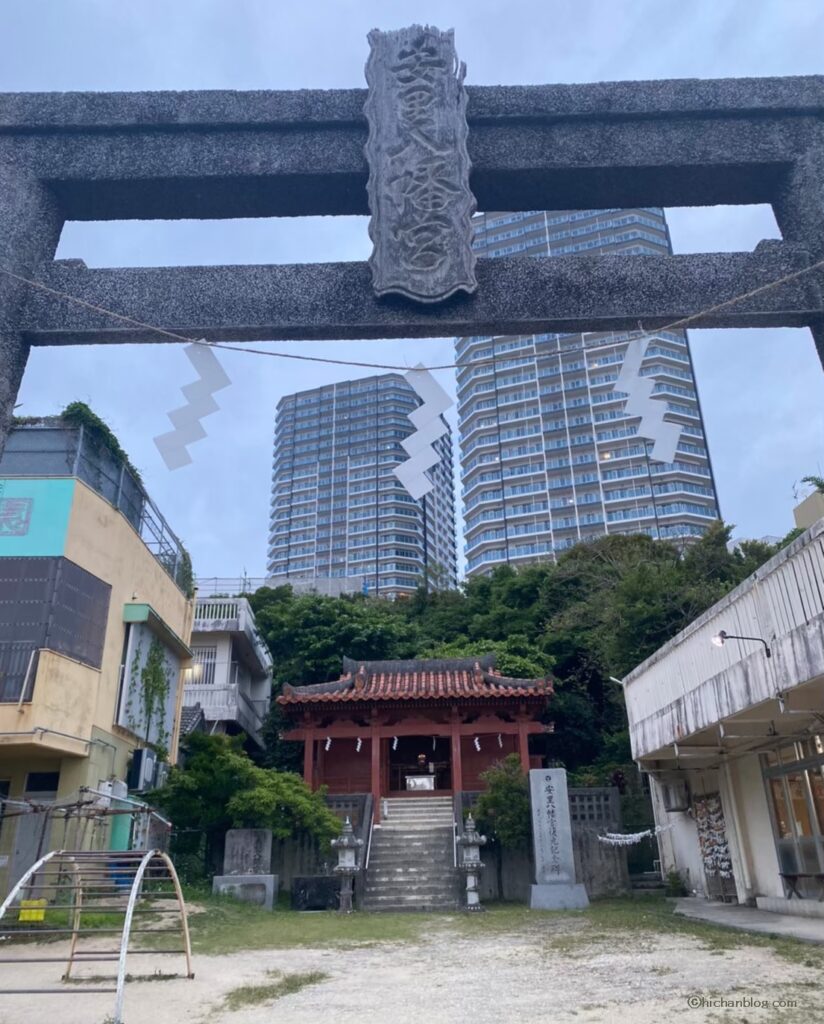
161	774
142	769
676	796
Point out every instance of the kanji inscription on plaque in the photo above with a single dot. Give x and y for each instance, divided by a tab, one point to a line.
419	197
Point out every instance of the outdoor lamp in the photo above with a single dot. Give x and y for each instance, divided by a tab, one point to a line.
471	842
722	636
347	845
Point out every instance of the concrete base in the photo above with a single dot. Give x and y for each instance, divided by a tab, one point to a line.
257	889
748	919
795	907
558	896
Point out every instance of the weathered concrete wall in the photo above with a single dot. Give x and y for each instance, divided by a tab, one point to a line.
509	874
690	684
748	827
295	857
602	869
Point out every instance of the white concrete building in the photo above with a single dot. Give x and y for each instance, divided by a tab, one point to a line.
733	737
232	668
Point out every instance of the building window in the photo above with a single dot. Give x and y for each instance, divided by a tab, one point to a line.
794	776
204	660
42	782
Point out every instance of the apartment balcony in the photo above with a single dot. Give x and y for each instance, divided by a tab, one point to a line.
230	703
47	702
235	616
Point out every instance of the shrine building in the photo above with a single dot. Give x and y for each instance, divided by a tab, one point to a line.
421	727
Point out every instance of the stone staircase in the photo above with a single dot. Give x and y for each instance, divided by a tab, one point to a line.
411	864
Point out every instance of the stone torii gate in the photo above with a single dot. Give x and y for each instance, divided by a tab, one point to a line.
105	156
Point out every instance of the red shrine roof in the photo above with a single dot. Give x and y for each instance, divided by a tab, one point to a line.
431	679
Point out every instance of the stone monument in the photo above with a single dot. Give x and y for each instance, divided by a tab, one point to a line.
555	887
247	863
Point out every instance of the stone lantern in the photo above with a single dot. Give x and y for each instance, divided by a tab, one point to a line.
347	845
470	843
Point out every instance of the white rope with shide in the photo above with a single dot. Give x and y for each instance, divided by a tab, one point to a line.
617	839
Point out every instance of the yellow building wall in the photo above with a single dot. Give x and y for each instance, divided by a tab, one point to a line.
79	701
102	541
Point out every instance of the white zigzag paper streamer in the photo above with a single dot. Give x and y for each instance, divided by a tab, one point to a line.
200	402
430	426
641	403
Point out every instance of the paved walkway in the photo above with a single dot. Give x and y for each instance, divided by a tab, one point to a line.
749	919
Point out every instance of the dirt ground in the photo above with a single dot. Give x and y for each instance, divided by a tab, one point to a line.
550	972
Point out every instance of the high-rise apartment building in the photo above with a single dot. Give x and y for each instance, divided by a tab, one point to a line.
549	456
338	511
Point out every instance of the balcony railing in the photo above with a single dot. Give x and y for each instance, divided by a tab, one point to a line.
18	668
229	703
231	615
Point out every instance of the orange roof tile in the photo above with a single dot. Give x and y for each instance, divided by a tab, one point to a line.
435	679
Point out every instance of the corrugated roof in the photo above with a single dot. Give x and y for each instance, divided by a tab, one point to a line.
418	679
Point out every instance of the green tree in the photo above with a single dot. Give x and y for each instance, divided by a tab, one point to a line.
515	657
309	634
814	481
503	809
218	787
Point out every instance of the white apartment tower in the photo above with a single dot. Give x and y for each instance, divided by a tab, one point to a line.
548	456
338	511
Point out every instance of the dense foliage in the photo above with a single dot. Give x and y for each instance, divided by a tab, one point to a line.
601	610
218	787
503	810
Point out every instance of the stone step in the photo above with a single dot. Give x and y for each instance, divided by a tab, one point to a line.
425	899
422	908
381	886
429	895
423	817
394	801
394	867
408	812
416	854
411	888
380	875
416	843
424	807
438	828
414	847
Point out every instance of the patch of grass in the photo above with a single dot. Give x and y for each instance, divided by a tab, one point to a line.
657	916
98	979
226	925
281	985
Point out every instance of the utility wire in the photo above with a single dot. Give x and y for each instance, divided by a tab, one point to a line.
134	322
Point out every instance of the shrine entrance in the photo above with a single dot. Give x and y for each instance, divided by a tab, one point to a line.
423	726
420	766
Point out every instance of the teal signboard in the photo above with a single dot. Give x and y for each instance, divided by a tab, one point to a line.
34	516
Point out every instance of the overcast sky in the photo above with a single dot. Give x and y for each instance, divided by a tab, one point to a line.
762	391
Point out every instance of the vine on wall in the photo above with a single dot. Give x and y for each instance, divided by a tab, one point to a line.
150	684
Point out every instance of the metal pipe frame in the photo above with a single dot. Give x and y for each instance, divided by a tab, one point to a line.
138	867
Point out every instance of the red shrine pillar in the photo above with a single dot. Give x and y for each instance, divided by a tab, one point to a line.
376	773
457	770
309	758
523	743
